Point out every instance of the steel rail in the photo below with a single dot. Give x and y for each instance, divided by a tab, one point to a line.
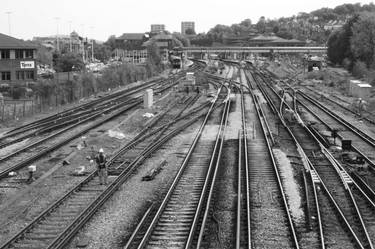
77	117
108	99
355	148
77	108
305	158
372	121
210	180
367	138
75	225
243	140
285	203
177	177
28	161
89	118
239	192
331	197
4	173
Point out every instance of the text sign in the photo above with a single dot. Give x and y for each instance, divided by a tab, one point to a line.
27	64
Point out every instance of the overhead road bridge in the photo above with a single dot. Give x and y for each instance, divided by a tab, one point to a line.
306	50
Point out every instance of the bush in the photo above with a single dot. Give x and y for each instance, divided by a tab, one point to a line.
370	77
360	69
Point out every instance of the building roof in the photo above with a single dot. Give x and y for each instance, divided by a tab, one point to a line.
162	37
146	43
9	42
282	40
265	38
131	36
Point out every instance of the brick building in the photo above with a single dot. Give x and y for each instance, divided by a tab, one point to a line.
17	61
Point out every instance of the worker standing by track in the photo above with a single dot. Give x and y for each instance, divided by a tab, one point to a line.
101	161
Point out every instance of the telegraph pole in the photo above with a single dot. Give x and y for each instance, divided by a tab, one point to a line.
57	33
70	36
92	44
83	47
8	13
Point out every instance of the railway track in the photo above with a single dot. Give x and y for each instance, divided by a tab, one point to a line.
56	225
269	212
338	194
70	116
362	142
178	220
70	134
74	116
366	115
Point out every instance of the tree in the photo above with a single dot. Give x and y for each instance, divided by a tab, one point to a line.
325	14
102	52
275	29
363	39
217	32
190	31
180	40
111	42
153	54
67	62
43	55
201	40
336	47
246	23
261	25
338	44
284	33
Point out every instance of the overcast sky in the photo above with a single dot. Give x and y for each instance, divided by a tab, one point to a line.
100	19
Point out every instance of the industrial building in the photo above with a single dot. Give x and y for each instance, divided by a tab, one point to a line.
17	61
187	25
360	89
131	41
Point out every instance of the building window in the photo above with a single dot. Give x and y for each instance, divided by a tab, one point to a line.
20	75
29	54
5	54
5	75
29	75
19	54
25	75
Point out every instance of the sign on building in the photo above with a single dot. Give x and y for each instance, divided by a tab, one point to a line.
27	64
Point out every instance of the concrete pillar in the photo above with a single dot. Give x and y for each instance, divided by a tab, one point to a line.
148	99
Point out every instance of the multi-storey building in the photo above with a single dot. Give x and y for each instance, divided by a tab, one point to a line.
17	61
157	28
187	25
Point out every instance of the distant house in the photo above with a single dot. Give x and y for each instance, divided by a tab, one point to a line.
131	41
17	61
333	25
